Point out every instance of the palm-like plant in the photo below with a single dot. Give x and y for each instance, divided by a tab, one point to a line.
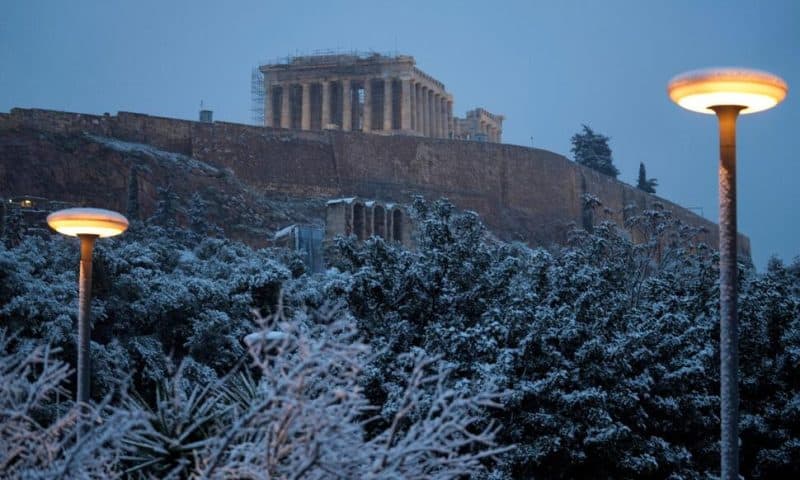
181	424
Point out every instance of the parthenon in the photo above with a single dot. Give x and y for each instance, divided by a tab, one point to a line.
375	93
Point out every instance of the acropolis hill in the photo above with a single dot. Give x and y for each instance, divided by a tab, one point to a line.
521	193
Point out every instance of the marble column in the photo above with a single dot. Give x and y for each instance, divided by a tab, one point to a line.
439	117
418	122
347	107
367	114
305	112
405	105
434	115
431	115
425	112
286	117
268	105
450	127
413	102
387	104
443	110
432	124
326	104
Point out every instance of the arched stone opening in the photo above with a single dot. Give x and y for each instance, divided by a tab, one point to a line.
397	225
379	221
359	220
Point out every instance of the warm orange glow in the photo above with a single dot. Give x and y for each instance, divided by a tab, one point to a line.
87	221
752	89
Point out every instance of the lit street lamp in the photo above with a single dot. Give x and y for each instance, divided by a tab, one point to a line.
727	93
86	224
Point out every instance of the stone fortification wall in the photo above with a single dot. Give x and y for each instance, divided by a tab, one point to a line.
165	133
521	193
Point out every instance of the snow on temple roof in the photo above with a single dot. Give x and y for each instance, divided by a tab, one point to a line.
347	200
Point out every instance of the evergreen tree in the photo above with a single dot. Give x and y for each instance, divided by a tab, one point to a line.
591	149
606	350
646	184
133	193
198	216
165	207
13	226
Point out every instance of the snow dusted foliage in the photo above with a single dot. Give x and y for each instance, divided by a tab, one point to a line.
159	296
604	353
770	372
42	433
607	349
302	414
305	415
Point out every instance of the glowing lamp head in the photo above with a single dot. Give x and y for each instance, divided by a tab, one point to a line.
753	90
87	221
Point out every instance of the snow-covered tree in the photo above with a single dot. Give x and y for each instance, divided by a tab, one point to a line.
606	348
197	213
591	149
12	226
166	207
132	207
604	351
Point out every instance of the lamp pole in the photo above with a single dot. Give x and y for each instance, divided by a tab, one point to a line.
728	270
84	315
88	224
727	93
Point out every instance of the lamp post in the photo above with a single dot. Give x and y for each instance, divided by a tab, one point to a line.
727	93
87	224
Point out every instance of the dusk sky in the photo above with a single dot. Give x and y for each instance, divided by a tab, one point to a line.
547	66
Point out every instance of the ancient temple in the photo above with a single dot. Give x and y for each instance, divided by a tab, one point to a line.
368	93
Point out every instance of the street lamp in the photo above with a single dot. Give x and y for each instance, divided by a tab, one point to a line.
87	224
728	92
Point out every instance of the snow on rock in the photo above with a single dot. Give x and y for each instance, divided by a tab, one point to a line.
179	159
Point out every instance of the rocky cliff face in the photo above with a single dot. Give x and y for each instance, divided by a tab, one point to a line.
83	169
261	179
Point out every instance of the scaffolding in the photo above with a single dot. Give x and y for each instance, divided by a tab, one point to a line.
257	94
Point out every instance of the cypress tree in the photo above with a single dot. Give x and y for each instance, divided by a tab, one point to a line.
646	184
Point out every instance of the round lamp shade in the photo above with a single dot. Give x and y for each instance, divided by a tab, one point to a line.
753	90
87	221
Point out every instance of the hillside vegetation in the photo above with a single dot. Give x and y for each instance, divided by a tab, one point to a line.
465	355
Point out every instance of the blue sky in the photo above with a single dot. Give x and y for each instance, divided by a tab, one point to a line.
548	66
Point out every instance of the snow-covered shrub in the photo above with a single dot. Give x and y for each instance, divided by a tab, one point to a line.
305	416
159	296
302	415
607	349
45	435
